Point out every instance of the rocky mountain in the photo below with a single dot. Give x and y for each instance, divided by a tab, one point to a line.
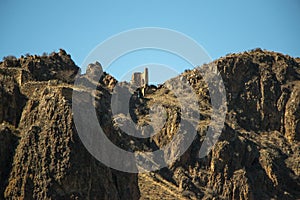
41	154
257	155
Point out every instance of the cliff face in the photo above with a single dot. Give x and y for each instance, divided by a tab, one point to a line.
42	156
257	155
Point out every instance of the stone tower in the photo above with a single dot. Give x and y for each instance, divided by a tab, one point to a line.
140	79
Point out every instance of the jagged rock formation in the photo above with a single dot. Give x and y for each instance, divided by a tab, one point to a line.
257	155
41	154
93	71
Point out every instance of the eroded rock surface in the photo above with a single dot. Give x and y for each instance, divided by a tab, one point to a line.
257	155
42	156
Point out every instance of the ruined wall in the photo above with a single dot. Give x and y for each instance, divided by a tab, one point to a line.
140	79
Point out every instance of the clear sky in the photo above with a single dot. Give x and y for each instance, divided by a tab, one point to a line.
221	27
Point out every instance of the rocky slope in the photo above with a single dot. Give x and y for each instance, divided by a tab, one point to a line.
41	154
257	155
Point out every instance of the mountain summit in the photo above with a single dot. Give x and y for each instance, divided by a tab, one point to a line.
257	155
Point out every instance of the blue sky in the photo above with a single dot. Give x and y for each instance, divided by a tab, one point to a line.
221	27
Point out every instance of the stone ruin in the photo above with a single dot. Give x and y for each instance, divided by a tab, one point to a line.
140	79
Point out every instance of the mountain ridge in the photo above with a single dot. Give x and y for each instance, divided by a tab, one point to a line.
256	157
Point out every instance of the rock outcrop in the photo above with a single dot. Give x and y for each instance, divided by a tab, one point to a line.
42	156
257	155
